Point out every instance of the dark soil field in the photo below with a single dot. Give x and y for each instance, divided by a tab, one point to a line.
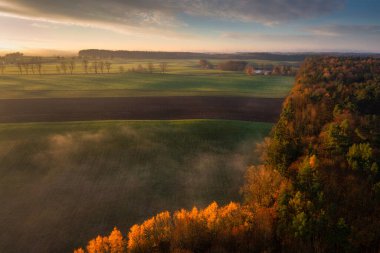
140	108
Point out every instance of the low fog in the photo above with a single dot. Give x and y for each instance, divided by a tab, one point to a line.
64	186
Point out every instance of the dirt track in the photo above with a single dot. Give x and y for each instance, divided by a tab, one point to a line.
140	108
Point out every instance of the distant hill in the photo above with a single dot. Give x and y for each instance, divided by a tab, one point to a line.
188	55
99	53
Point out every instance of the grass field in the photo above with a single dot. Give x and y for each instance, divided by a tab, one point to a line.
135	84
63	183
184	78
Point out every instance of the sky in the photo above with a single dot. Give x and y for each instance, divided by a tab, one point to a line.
54	26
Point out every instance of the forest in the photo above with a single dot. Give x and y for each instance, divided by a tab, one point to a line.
316	189
98	53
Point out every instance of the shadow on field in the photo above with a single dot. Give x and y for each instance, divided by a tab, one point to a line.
140	108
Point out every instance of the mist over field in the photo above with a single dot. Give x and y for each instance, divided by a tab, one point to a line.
64	183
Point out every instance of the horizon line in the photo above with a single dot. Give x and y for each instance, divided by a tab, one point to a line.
58	52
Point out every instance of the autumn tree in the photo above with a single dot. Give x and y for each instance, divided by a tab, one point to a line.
114	243
79	250
71	66
108	66
359	157
249	70
262	186
117	244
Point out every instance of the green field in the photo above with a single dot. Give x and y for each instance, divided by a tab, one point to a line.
62	183
184	78
135	84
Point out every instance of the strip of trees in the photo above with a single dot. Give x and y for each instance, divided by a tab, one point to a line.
251	68
110	54
33	66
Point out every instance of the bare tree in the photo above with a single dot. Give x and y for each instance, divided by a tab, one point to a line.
95	67
163	67
150	67
101	66
19	66
108	66
26	67
85	65
71	66
39	67
64	67
32	65
2	67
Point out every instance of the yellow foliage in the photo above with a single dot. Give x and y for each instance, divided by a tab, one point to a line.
262	186
116	241
135	238
145	237
313	161
210	215
184	231
98	245
162	227
80	250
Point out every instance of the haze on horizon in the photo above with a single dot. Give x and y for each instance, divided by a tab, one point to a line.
190	25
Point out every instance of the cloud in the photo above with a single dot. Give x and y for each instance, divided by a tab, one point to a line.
134	15
340	30
266	12
264	37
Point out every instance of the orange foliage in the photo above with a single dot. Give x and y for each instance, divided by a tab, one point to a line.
80	250
98	245
313	161
151	233
194	230
114	243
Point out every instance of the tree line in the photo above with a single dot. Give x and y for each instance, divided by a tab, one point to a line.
110	54
251	68
35	65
